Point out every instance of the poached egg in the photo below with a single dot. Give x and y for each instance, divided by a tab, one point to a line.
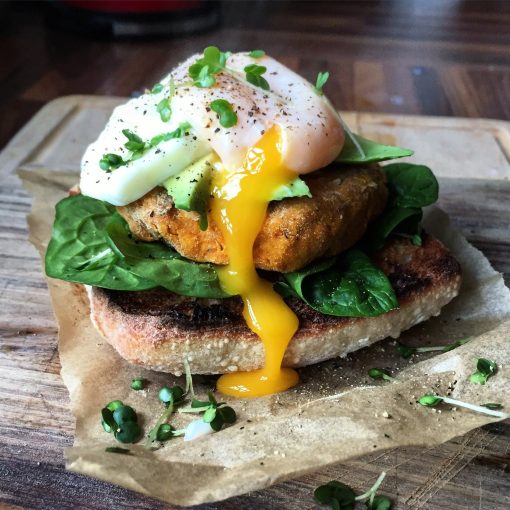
280	133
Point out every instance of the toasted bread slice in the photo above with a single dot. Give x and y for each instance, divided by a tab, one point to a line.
158	329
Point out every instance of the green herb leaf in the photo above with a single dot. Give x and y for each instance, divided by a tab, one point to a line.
405	351
485	369
379	503
373	151
124	414
203	71
209	415
493	406
223	108
80	233
164	109
254	74
114	404
179	132
256	53
116	449
164	432
111	162
157	88
138	384
129	432
380	373
430	400
173	394
347	286
322	78
108	422
134	143
335	494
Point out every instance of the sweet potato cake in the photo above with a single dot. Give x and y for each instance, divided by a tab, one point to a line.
296	230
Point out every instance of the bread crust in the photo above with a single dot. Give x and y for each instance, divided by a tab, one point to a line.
158	329
296	230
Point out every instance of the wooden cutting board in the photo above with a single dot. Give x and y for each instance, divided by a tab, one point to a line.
472	159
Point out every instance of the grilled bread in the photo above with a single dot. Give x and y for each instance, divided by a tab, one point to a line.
158	329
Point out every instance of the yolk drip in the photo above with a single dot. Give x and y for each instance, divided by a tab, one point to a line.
239	208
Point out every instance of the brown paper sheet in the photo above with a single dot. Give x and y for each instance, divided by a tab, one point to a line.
336	413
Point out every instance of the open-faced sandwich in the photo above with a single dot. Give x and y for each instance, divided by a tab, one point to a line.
229	217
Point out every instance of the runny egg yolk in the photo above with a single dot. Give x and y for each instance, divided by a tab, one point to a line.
239	205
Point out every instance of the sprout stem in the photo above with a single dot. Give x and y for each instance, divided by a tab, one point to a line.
474	407
371	492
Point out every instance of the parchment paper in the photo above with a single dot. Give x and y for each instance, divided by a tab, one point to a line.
336	413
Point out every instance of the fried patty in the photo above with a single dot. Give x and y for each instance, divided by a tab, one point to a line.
296	230
158	329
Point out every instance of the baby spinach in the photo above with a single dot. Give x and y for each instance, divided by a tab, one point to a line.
347	286
91	244
410	187
373	151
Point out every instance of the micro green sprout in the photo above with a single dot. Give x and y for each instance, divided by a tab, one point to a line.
485	368
226	114
340	496
380	373
434	400
406	351
256	53
138	384
322	78
121	420
170	397
116	449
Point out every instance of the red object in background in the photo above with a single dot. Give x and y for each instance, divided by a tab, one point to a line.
138	6
135	18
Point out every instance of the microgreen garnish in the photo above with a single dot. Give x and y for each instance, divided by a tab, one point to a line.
164	109
204	70
434	400
341	497
134	143
138	147
111	162
484	369
158	87
171	397
493	406
254	74
226	114
322	78
116	449
256	53
121	420
217	414
406	351
138	384
176	133
380	373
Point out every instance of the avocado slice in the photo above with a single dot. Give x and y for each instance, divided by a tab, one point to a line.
190	189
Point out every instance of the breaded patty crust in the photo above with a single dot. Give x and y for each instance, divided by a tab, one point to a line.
296	230
158	329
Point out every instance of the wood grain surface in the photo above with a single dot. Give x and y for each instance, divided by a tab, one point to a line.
433	57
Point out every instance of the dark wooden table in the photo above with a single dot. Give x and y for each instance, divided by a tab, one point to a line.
423	57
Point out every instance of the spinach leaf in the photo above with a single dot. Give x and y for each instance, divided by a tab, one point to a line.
347	286
297	188
91	244
410	187
163	265
373	151
78	251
